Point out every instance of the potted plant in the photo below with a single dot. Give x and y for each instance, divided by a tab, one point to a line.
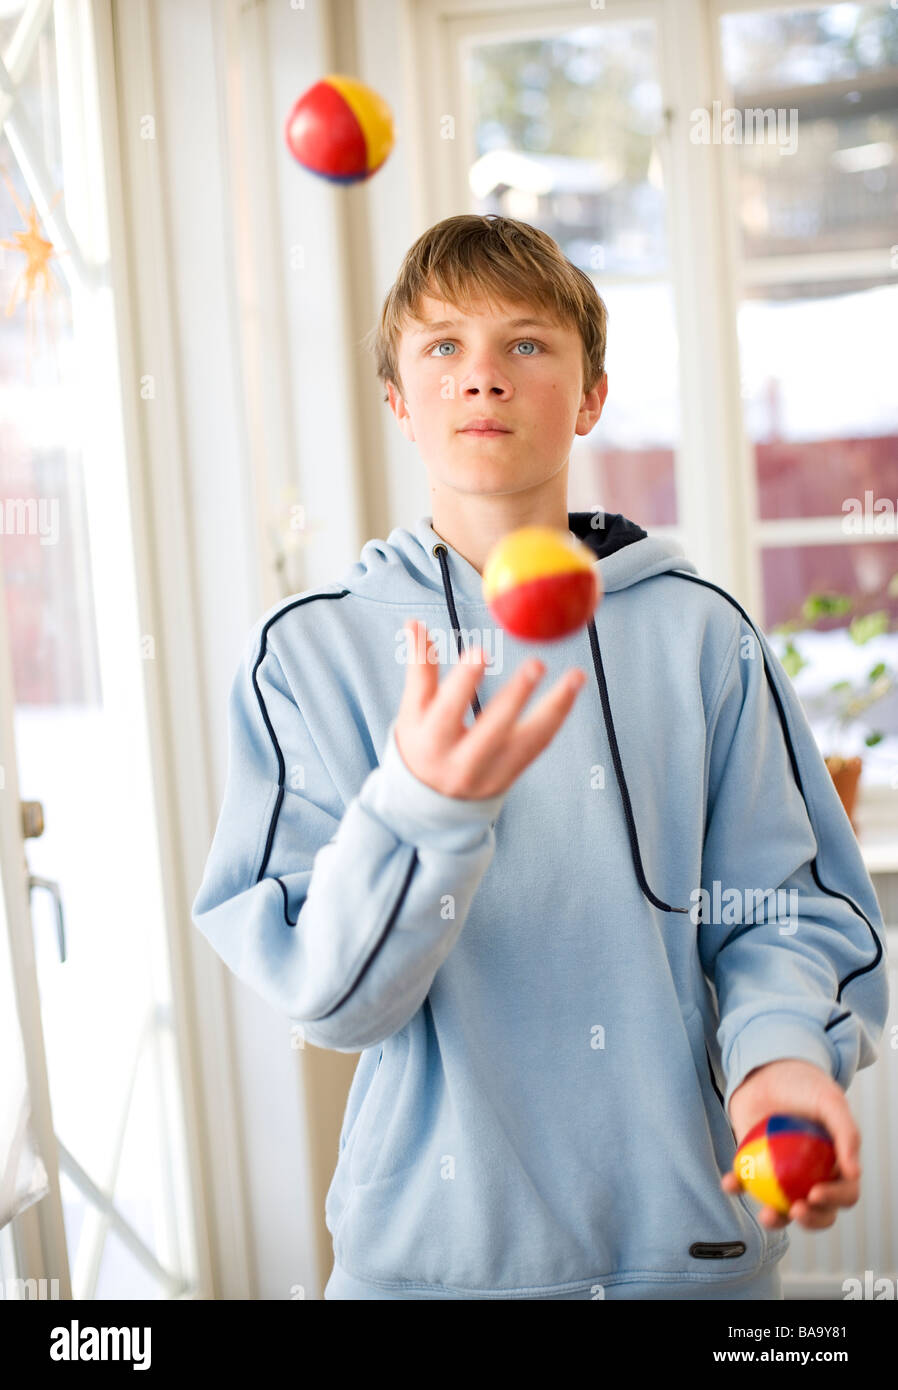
852	699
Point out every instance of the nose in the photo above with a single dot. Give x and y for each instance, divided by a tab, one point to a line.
485	377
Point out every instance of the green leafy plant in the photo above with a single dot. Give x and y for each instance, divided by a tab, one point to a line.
853	699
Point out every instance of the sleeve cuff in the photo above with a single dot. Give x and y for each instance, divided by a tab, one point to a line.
774	1038
419	815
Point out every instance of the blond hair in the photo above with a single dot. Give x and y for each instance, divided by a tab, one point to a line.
472	257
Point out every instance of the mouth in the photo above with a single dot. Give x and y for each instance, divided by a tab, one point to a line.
485	427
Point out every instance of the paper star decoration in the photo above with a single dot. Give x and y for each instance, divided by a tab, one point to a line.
38	253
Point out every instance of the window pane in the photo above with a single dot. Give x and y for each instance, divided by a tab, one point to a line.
565	131
821	401
838	187
122	1275
861	571
817	340
837	66
806	47
626	463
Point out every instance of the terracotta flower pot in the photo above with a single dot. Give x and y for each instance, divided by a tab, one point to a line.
846	773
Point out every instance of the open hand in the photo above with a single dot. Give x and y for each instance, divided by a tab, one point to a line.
478	762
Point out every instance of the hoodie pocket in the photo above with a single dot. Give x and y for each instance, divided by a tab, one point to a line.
361	1126
370	1151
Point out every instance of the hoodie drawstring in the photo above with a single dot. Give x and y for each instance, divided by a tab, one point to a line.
440	551
619	773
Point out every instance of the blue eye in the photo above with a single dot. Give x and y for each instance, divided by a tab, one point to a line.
444	341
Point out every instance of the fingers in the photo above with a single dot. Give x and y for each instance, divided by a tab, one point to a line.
820	1208
421	676
816	1212
813	1219
450	704
836	1194
495	721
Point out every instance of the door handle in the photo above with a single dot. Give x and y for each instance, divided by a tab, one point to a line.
32	819
52	887
32	827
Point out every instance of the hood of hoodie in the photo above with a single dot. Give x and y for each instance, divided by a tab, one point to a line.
391	569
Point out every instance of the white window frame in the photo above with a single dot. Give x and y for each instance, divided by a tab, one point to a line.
876	806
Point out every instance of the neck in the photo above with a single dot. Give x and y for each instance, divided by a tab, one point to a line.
472	524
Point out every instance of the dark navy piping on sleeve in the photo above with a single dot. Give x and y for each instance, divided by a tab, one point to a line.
440	551
833	892
263	648
413	864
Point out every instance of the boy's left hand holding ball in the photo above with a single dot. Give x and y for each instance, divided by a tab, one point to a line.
796	1087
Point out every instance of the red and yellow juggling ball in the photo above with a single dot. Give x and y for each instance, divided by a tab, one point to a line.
541	583
340	130
781	1158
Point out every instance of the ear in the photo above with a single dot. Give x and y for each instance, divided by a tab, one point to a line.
592	406
400	410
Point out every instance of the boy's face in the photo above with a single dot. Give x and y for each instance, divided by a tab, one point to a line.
528	376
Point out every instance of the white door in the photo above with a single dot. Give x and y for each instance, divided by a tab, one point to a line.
29	1175
85	917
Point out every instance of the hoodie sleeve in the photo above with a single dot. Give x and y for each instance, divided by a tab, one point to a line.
340	921
800	972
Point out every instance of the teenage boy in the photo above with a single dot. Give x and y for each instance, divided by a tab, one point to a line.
553	936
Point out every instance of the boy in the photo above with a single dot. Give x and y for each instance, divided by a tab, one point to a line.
548	935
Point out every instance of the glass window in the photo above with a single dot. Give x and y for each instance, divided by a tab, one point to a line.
817	211
821	403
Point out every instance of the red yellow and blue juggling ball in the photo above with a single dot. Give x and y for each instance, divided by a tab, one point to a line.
541	583
781	1158
340	130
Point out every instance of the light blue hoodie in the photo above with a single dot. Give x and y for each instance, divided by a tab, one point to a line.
547	1007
